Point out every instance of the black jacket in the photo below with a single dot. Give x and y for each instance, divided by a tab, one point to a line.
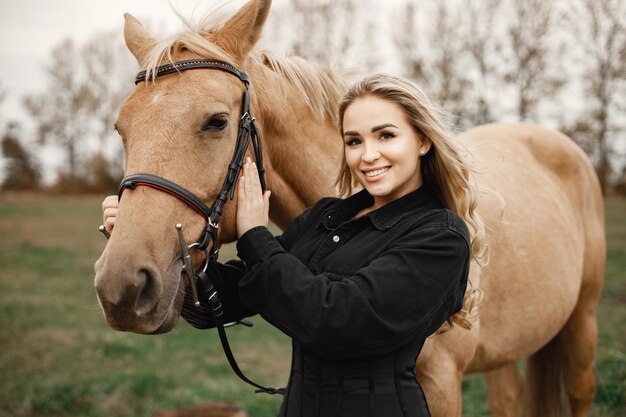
351	290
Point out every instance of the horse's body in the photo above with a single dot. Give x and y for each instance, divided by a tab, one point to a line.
542	283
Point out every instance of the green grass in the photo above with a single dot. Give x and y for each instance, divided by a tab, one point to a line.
611	355
59	358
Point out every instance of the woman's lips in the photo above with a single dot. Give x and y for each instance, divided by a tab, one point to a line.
374	175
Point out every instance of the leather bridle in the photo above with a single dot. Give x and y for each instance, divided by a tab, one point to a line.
247	134
203	291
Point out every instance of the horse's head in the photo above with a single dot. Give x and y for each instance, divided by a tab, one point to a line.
182	127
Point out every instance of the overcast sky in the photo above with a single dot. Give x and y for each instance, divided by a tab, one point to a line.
30	28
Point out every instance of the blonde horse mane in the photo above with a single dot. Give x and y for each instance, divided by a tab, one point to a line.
320	88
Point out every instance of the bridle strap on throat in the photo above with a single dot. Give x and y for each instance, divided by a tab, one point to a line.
246	135
200	282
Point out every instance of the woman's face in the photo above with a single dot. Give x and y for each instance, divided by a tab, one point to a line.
381	148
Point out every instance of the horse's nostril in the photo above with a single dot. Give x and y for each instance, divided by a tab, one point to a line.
147	296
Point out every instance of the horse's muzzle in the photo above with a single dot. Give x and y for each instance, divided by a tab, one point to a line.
130	298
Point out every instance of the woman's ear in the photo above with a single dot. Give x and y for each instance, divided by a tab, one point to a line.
425	145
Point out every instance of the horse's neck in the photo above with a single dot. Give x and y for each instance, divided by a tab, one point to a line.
302	152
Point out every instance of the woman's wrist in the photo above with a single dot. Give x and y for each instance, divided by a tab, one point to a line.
256	243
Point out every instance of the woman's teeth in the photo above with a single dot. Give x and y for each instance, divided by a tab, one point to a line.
376	172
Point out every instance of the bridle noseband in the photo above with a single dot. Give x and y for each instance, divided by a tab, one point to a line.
248	133
202	288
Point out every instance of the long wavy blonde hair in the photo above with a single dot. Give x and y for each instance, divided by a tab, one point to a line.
444	168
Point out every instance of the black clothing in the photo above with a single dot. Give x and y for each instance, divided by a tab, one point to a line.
358	296
377	386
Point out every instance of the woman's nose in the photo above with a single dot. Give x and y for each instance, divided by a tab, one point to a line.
370	153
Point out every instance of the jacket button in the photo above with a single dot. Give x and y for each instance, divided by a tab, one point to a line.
335	238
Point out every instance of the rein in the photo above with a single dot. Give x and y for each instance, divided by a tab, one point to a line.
205	296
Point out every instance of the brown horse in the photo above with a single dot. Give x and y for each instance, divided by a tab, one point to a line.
541	285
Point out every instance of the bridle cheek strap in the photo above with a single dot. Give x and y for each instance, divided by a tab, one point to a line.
246	135
201	284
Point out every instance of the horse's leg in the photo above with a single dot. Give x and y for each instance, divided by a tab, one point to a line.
504	391
580	337
441	381
566	363
440	367
580	334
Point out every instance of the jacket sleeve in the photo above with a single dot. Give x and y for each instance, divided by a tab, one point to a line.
226	276
405	293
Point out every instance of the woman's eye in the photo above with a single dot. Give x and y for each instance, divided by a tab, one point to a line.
387	135
214	123
352	142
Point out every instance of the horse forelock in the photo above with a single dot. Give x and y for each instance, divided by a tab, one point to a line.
320	89
167	50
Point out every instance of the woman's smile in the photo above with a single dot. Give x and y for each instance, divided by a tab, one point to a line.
375	174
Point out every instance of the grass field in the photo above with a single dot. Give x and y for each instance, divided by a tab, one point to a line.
59	358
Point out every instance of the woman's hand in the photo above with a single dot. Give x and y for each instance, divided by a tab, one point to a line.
252	204
109	211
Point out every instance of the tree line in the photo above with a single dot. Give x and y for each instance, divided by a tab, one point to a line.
556	63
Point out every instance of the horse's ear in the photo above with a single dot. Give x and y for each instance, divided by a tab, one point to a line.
137	39
241	32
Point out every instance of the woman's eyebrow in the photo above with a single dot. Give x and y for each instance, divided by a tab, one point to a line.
384	125
374	129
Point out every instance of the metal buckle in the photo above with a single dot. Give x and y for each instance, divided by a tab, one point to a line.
104	231
187	268
247	117
187	264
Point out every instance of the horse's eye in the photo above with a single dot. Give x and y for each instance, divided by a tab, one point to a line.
214	123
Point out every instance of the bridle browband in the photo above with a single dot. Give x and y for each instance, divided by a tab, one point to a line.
247	134
204	293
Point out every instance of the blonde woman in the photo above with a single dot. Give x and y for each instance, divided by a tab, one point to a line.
360	282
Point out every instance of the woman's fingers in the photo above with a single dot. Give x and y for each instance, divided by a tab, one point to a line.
110	201
253	171
252	179
108	217
253	203
254	193
266	200
109	224
109	212
241	189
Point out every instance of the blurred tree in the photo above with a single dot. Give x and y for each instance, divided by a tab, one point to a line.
110	70
582	131
86	86
435	55
346	40
21	171
100	177
480	37
61	113
599	29
533	66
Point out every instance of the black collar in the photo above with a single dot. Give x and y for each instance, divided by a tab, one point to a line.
384	217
